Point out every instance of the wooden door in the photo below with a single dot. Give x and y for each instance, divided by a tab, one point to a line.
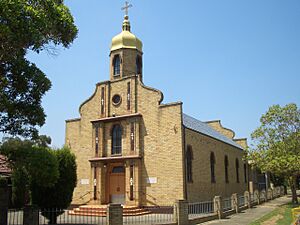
117	185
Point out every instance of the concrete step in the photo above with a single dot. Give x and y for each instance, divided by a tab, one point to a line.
93	210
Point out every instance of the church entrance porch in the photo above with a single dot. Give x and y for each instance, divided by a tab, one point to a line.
117	180
116	184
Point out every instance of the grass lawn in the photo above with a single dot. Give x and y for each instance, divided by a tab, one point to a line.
280	216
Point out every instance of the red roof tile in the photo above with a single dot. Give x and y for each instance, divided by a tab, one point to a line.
4	169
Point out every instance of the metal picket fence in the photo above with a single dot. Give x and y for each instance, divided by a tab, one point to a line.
227	204
15	217
262	196
197	209
155	215
241	201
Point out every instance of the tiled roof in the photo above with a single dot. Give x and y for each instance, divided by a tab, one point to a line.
201	127
4	169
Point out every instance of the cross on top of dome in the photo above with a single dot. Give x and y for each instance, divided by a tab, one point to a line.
126	7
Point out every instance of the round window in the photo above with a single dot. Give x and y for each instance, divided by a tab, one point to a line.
116	99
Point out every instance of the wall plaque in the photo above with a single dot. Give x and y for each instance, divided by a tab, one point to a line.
85	181
152	180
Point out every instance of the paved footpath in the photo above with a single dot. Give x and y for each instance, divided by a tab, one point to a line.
250	215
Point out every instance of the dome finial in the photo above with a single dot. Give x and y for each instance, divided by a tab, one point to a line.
126	23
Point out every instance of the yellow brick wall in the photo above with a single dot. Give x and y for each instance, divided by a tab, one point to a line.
161	144
201	189
216	125
159	140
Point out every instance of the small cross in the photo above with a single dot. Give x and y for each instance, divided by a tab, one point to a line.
126	7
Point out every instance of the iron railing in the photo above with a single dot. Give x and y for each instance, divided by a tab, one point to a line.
262	196
152	215
15	217
227	204
241	201
198	208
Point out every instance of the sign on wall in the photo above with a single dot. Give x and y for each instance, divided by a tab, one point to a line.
152	180
85	181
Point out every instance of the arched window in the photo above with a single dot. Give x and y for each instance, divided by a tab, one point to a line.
212	167
189	168
237	166
116	142
245	172
226	163
116	65
138	65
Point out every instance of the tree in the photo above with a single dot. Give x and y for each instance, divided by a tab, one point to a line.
277	144
30	164
42	141
34	25
60	195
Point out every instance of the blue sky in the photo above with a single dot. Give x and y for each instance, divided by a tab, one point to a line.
227	60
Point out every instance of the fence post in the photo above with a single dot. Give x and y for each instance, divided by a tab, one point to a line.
31	215
182	212
3	203
114	214
234	202
218	206
247	197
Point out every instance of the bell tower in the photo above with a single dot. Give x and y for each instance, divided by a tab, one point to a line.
126	52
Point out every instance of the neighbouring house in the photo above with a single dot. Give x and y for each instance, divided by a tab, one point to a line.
5	171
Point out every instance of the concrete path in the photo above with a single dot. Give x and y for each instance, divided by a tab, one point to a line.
250	215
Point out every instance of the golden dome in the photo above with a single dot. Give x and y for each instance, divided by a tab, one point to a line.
126	39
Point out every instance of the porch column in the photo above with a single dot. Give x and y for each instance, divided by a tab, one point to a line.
137	137
102	183
102	149
137	185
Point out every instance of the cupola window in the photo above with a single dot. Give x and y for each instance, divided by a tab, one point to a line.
138	65
116	65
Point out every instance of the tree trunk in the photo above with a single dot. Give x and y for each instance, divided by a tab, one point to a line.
53	218
293	185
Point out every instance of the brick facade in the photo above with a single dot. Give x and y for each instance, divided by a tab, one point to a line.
151	165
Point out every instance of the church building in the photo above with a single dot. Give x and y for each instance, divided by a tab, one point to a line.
132	148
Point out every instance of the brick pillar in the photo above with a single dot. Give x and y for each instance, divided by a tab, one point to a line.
31	215
182	212
281	191
264	193
114	214
270	193
247	197
278	192
218	206
3	203
257	196
234	202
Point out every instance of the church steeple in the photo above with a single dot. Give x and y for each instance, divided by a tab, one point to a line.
126	51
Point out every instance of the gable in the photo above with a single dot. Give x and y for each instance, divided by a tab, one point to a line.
203	128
